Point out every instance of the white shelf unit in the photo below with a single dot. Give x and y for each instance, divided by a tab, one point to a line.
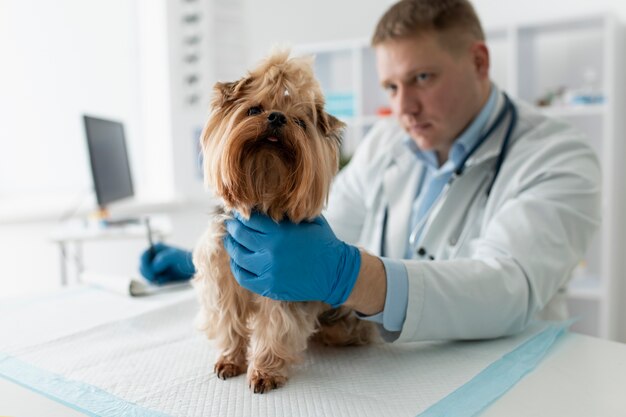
347	73
544	56
187	46
527	60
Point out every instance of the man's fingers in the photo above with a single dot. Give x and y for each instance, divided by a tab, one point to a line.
243	235
250	281
146	271
244	277
161	262
146	257
248	260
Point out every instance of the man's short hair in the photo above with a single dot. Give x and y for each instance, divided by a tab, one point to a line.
454	20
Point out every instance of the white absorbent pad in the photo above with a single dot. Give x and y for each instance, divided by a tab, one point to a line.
150	361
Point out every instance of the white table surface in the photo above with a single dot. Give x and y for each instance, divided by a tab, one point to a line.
581	376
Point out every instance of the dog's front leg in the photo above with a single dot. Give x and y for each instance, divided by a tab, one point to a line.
232	360
225	306
233	305
280	331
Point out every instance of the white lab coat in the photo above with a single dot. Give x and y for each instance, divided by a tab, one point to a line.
498	261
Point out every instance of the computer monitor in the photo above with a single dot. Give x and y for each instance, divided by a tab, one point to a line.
108	155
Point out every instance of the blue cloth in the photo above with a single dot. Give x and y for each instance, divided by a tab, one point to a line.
475	396
434	179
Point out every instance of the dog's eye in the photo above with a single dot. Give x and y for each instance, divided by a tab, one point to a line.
253	111
300	123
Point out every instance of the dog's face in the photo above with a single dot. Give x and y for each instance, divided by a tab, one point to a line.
268	144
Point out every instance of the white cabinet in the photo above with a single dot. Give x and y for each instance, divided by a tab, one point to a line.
579	63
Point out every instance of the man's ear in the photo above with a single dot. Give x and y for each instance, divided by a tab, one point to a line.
480	54
225	94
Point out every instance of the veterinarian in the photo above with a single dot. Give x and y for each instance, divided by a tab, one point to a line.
461	218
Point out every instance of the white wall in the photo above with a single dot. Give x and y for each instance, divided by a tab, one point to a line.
325	20
294	22
497	13
59	60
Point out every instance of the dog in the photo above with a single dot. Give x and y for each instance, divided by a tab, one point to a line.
268	146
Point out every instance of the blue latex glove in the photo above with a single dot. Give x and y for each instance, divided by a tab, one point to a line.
291	262
162	263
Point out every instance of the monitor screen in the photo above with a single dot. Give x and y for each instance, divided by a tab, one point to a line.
110	168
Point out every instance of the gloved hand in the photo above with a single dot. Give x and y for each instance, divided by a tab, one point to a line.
162	263
291	262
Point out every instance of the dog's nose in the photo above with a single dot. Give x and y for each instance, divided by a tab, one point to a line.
277	119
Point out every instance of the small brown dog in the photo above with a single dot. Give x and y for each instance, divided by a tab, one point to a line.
269	146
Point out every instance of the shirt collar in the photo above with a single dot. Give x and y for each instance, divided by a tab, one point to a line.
464	143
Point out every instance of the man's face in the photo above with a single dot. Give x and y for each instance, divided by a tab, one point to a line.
434	93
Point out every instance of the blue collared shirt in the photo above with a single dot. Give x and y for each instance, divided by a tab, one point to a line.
431	184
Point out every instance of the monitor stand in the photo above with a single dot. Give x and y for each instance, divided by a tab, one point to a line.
104	218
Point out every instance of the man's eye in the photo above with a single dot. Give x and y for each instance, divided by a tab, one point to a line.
423	77
300	123
253	111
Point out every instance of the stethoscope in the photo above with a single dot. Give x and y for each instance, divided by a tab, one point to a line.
508	108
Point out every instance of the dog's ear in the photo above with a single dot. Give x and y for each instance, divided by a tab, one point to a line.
225	94
330	126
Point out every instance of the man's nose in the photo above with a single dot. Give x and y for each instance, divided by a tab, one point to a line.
406	102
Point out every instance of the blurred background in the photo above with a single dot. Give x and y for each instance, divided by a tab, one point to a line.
148	67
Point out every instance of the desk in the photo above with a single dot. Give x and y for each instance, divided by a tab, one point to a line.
582	376
76	234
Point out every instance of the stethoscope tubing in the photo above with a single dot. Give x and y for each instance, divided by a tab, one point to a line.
509	108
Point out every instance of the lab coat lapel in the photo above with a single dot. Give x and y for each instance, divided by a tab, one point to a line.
491	148
478	173
399	187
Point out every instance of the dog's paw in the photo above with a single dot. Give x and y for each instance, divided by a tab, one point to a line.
225	370
261	382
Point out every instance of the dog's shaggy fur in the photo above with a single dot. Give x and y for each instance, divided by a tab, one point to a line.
268	146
